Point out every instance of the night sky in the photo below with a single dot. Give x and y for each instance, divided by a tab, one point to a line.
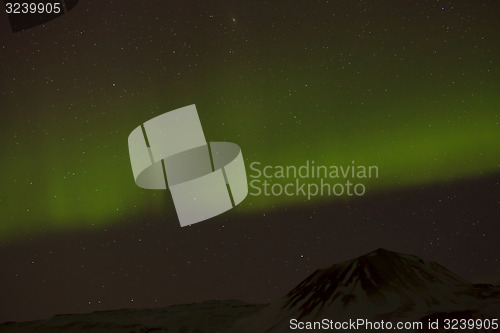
410	86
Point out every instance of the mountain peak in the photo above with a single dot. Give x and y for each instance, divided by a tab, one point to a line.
372	278
380	250
380	285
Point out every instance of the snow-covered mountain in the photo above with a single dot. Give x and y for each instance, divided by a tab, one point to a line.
381	285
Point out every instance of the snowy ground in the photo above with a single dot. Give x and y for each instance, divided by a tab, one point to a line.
210	316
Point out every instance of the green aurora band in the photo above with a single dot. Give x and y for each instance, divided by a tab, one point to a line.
422	117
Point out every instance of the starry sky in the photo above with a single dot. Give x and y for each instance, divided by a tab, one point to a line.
409	86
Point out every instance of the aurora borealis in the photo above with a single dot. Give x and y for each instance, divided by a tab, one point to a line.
416	94
409	86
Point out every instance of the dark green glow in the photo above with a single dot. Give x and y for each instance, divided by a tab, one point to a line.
422	109
57	180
